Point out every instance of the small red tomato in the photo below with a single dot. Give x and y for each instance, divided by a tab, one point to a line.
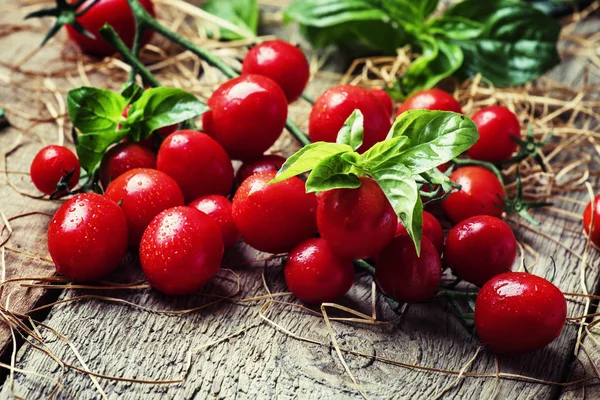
517	312
497	127
385	99
115	13
403	275
122	158
220	210
274	217
357	223
315	274
432	230
87	237
595	224
332	109
480	194
479	248
283	63
52	165
181	250
269	162
197	162
247	114
143	193
431	99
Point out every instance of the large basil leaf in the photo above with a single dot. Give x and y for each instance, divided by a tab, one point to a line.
334	172
352	131
241	13
381	152
455	27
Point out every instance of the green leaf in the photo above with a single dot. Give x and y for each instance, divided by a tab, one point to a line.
382	151
308	158
241	13
131	92
333	172
324	13
427	7
92	146
405	12
352	131
455	27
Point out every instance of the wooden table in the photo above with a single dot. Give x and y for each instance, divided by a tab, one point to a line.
252	349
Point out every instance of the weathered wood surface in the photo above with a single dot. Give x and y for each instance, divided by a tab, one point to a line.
265	361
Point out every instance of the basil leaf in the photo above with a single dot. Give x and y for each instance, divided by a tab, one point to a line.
404	12
323	13
381	152
332	172
436	177
131	92
308	158
352	131
92	146
241	13
455	27
435	137
427	7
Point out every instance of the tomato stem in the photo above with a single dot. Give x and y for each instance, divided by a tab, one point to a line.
484	164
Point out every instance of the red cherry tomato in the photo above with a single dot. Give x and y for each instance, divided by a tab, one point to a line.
497	127
54	164
283	63
269	162
432	230
117	14
220	210
87	237
247	114
403	275
333	108
517	312
479	248
274	217
122	158
385	99
181	250
357	223
587	221
431	99
143	193
479	195
197	162
315	274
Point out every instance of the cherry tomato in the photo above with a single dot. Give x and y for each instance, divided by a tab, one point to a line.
403	275
54	164
274	217
479	248
143	193
315	274
357	223
87	237
431	99
587	221
333	108
517	312
122	158
117	14
497	127
181	250
247	114
432	230
197	162
220	210
479	195
269	162
385	99
283	63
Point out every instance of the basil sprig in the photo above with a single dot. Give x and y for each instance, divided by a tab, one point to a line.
241	13
418	142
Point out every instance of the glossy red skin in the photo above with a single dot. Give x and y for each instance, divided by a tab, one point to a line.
122	158
478	195
283	63
274	218
247	114
117	14
385	99
143	193
181	250
332	109
404	276
357	223
479	248
432	230
517	312
497	127
317	275
219	208
197	162
270	162
50	165
87	237
587	221
431	99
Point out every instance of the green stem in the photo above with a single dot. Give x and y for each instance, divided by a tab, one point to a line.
297	132
365	266
308	99
484	164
